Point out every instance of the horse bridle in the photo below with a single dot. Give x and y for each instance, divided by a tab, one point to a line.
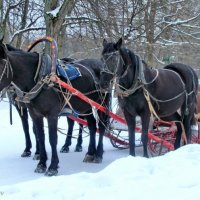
139	79
105	66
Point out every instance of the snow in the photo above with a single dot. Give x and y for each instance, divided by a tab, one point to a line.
172	176
54	13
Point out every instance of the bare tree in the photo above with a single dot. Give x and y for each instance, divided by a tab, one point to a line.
25	7
5	8
54	14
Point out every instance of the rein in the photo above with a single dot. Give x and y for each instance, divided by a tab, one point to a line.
6	69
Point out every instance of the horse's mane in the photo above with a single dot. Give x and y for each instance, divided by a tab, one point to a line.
128	53
11	48
68	60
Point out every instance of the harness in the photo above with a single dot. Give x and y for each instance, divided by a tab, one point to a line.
43	68
42	77
139	81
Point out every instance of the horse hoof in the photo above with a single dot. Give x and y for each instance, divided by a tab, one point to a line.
26	154
88	158
40	169
36	156
97	159
51	172
78	149
64	149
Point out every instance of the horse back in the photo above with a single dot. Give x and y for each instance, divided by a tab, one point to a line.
187	74
94	65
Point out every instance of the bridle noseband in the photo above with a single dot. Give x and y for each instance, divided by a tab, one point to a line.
105	66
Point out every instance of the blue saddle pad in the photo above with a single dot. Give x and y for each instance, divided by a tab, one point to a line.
68	71
68	112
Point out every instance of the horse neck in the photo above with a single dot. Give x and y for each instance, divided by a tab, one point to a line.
149	75
24	67
128	72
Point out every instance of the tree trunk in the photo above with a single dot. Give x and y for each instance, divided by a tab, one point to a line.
23	23
149	19
2	25
54	23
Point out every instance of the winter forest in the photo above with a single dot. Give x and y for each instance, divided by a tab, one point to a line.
159	31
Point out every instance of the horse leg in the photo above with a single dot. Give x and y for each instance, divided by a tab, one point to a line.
187	122
177	142
131	122
39	128
145	120
103	122
23	113
53	139
90	155
177	119
68	141
37	152
79	139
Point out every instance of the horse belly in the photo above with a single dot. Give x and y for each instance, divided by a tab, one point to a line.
169	108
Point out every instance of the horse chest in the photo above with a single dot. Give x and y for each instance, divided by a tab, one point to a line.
135	103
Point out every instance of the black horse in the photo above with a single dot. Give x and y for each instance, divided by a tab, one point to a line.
68	140
23	113
145	91
46	99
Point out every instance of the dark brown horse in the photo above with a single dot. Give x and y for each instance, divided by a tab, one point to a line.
144	91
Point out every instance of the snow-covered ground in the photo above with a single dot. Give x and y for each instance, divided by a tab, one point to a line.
173	176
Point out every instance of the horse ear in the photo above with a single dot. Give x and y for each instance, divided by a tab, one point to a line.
118	44
2	49
1	40
104	42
